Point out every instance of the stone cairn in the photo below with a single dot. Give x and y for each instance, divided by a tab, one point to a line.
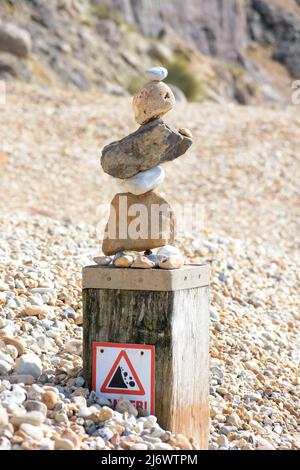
140	220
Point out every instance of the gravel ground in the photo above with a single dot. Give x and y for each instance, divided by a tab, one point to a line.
243	169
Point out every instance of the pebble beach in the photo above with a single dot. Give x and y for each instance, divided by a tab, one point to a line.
243	168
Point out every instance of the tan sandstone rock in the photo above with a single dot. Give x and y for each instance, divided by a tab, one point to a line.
138	223
153	100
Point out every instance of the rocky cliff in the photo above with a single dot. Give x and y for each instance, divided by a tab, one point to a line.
243	50
215	27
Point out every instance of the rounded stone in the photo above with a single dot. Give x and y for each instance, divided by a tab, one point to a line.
29	364
36	418
156	73
124	261
186	132
72	437
139	446
32	431
172	262
50	399
153	100
5	367
180	441
143	181
168	250
34	405
63	444
102	260
143	262
125	406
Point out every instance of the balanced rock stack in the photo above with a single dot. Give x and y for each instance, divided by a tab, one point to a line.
140	219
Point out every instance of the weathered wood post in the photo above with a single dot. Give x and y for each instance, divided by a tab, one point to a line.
164	308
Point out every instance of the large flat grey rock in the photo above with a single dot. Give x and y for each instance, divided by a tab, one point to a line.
149	146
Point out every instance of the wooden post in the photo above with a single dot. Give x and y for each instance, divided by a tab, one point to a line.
165	308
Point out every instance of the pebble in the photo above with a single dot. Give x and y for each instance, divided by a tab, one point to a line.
34	405
180	441
185	132
227	429
35	310
172	262
168	250
79	401
19	378
125	406
3	417
32	431
263	444
17	343
162	446
71	436
5	367
256	425
29	364
155	258
63	444
156	73
234	420
143	181
105	414
36	418
222	441
102	260
124	261
50	399
105	433
139	446
74	346
252	365
142	262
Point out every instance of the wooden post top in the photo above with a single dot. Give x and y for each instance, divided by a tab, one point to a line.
112	277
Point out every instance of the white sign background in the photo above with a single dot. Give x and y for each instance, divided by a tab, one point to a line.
141	357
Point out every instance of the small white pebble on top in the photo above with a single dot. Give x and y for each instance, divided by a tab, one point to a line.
156	73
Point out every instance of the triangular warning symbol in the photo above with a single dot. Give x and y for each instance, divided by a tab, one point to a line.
122	378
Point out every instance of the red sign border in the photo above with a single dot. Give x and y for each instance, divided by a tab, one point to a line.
151	348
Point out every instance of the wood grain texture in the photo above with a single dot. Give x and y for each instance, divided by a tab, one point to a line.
176	322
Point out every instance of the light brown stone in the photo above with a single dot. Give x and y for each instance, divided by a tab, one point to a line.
180	441
142	262
14	342
130	227
71	436
153	100
63	444
50	399
124	261
172	262
186	132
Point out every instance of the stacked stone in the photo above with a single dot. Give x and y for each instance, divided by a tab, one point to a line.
136	161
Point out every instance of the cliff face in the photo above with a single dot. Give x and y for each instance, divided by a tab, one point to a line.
277	25
215	27
243	50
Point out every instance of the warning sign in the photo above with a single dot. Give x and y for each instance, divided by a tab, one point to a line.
125	369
